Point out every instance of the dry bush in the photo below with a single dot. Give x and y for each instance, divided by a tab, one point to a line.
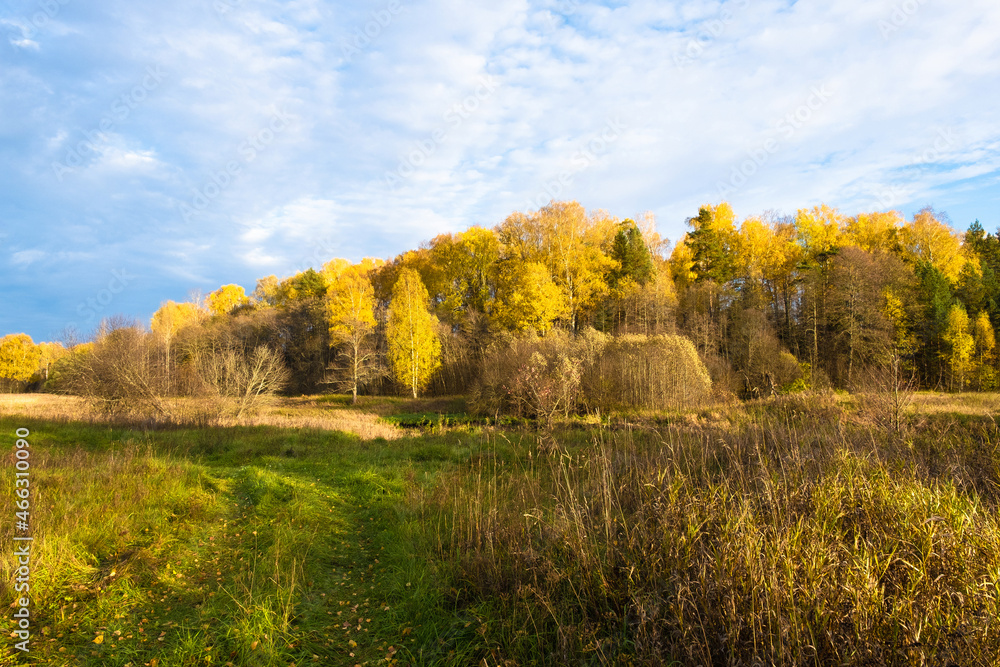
534	376
241	381
885	395
651	372
124	373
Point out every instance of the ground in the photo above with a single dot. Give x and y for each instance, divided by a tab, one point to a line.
406	532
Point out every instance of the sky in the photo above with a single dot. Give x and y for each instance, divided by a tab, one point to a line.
149	150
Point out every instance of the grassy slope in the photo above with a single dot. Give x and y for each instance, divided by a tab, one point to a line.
242	545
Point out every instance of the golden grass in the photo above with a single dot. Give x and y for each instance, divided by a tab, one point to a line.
298	412
796	537
985	404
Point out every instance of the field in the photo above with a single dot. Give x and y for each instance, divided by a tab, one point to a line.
796	530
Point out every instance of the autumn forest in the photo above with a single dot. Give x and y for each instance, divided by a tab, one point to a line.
770	304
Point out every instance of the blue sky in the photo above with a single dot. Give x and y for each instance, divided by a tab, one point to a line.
147	150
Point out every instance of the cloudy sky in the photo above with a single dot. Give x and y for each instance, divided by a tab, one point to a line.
151	149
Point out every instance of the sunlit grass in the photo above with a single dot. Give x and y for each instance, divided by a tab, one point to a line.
782	532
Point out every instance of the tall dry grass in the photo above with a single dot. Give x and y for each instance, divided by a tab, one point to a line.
786	536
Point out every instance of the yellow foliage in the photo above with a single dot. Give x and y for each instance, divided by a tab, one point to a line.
682	263
172	317
569	244
19	357
928	239
223	300
819	229
414	348
527	298
350	301
961	345
874	231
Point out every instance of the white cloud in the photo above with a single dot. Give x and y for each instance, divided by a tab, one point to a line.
562	69
24	258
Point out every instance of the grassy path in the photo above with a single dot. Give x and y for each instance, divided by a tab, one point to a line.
236	546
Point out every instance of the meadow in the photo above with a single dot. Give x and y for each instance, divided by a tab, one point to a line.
793	530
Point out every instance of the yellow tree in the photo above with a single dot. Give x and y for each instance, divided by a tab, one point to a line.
19	357
351	313
819	230
681	264
49	354
985	341
928	239
570	244
171	318
414	348
874	231
223	300
961	345
527	297
266	293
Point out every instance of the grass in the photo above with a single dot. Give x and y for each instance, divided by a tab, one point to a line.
786	532
245	545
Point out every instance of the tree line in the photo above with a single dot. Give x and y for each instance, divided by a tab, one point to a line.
770	303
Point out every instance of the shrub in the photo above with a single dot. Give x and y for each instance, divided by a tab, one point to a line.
650	372
123	373
542	377
533	376
242	380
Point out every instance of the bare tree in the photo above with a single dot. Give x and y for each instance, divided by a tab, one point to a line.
886	391
123	373
244	381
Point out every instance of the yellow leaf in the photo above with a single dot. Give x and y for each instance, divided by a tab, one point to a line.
99	639
253	646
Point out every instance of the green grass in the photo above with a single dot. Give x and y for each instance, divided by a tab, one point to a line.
784	532
250	546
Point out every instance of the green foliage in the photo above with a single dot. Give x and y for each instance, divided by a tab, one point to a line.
710	241
634	260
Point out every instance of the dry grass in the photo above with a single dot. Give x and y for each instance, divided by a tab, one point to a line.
300	412
792	536
308	412
981	404
45	406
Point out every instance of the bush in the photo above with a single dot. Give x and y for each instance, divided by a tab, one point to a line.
534	376
542	377
242	380
649	372
123	373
